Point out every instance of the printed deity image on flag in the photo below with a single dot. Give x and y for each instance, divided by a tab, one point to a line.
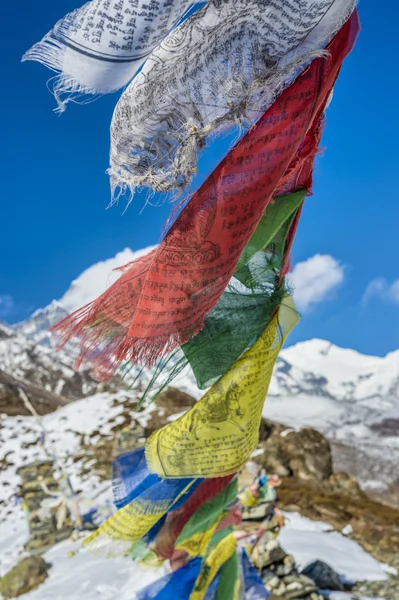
213	296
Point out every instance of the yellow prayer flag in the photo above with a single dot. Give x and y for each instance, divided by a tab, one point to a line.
132	522
217	436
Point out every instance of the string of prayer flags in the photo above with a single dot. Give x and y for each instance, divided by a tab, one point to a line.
161	300
213	294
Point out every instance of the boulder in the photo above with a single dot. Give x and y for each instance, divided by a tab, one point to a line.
24	577
324	576
305	453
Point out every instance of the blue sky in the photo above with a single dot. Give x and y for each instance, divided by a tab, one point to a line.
55	190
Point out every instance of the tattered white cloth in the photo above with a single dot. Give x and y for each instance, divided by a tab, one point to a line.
224	65
99	47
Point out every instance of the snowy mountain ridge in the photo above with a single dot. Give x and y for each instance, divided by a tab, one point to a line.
340	373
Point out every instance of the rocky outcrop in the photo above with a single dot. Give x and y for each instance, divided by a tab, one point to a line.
303	459
303	453
374	526
47	375
11	403
24	577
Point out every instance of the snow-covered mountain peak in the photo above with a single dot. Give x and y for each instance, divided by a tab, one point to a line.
323	351
319	367
343	369
54	306
36	327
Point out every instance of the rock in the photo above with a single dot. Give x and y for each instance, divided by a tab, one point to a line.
24	577
267	553
294	585
271	582
175	399
292	508
305	454
324	576
343	482
276	554
287	567
298	586
281	590
43	528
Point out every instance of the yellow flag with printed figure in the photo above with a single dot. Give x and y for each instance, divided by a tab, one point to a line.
217	436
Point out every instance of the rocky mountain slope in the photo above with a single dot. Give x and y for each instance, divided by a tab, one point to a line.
35	367
36	328
85	434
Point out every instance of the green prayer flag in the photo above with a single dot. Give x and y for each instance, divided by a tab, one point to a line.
280	212
229	575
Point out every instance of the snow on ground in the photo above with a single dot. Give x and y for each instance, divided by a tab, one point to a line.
88	577
13	535
310	540
66	429
79	575
20	438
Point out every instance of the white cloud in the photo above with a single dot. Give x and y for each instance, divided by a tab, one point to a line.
380	288
314	279
6	305
95	280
